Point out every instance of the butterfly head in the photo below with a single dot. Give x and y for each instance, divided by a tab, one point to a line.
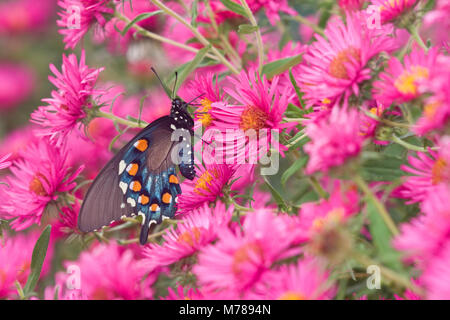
180	114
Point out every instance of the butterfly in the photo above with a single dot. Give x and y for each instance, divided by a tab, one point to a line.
141	179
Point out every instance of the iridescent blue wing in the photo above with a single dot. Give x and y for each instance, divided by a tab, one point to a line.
140	180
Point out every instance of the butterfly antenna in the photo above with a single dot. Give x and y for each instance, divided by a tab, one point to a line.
190	102
174	85
156	74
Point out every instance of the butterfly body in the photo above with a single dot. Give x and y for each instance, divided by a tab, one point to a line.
141	179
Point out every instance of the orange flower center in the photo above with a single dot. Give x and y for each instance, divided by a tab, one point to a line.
337	65
335	216
203	113
292	295
204	181
431	108
244	254
36	185
437	172
253	118
190	236
406	83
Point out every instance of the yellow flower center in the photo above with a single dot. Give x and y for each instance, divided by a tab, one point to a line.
335	216
292	295
253	118
243	254
36	185
406	83
203	113
437	172
431	108
190	236
337	66
204	181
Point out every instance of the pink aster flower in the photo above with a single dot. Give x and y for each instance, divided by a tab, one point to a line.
238	259
391	10
77	16
194	232
436	112
328	213
369	125
67	107
334	140
305	280
15	262
17	140
16	84
436	24
351	4
400	83
19	16
429	170
206	187
4	163
258	108
37	179
423	237
436	276
186	293
335	66
106	272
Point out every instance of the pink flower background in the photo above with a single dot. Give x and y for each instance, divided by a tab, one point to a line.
363	116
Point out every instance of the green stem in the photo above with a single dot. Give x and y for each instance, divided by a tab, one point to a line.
388	273
380	207
410	146
120	120
197	34
386	121
154	36
318	187
259	42
413	30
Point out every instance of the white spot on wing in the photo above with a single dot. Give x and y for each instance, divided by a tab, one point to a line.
122	166
173	127
132	202
150	222
123	186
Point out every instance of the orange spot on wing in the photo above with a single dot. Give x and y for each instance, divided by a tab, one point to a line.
166	198
154	207
135	186
173	179
141	145
133	169
144	199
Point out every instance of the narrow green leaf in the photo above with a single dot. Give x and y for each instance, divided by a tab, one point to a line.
297	89
139	18
37	260
183	74
233	6
385	168
382	238
276	67
276	195
247	28
297	165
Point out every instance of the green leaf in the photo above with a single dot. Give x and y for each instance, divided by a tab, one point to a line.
247	28
381	237
37	260
191	66
233	6
194	13
276	195
139	18
297	89
273	68
385	168
297	165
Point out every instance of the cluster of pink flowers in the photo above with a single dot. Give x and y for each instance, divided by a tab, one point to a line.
356	116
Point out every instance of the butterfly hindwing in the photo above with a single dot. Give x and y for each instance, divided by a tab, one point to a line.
111	195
